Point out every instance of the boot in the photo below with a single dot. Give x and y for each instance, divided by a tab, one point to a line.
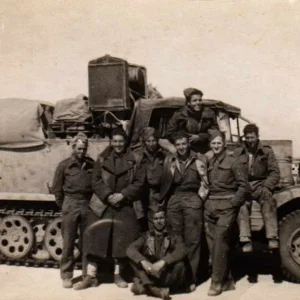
192	288
247	247
273	244
137	288
119	281
162	293
215	289
229	285
67	283
88	281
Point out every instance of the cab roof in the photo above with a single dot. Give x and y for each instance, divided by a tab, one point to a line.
177	102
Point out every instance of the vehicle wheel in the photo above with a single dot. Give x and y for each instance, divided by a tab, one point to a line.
289	235
39	251
16	237
53	240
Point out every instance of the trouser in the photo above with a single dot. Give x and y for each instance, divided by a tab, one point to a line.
269	212
219	216
72	213
172	277
185	216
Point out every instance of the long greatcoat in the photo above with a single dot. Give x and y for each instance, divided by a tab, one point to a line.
118	227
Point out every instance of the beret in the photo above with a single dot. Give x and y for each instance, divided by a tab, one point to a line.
80	137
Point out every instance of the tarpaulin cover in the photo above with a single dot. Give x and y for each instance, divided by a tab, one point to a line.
73	109
20	125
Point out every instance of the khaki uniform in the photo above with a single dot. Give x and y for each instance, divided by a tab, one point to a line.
227	185
263	171
181	186
72	187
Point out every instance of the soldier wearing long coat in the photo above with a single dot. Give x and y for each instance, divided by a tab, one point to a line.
112	219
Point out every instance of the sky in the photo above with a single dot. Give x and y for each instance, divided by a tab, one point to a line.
241	52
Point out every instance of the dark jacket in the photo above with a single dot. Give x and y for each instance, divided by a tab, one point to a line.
172	249
126	177
194	177
264	166
185	119
153	165
227	176
73	179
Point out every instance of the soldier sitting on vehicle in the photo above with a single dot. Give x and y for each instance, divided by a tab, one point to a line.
72	187
195	119
157	260
264	175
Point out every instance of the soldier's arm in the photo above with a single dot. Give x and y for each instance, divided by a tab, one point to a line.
173	126
133	190
134	250
273	172
178	253
99	187
240	172
57	184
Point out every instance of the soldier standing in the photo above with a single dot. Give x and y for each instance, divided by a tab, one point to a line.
263	176
227	189
183	190
72	187
195	119
152	158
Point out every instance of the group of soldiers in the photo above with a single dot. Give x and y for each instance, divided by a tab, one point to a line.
180	195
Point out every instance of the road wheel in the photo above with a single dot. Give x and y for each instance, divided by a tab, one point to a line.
16	237
53	240
290	246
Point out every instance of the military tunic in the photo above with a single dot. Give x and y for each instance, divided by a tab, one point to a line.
228	186
72	187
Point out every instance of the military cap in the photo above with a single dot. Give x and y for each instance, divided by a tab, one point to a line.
213	133
191	91
80	137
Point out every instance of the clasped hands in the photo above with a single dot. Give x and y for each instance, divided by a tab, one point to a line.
153	269
115	199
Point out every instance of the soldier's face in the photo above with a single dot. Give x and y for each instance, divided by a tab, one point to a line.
182	146
217	145
118	143
80	149
151	144
195	102
251	139
159	221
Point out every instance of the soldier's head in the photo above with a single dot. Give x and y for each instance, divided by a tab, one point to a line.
193	98
181	142
118	140
159	220
217	141
80	145
150	138
251	134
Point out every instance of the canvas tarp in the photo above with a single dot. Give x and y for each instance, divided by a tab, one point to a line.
20	125
73	109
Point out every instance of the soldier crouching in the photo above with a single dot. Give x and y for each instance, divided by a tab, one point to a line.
157	260
227	189
72	187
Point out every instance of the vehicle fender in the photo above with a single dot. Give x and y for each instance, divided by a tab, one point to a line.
287	194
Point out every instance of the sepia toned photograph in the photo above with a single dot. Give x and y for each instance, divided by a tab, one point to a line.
149	149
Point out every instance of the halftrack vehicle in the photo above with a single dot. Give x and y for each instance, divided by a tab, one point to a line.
118	96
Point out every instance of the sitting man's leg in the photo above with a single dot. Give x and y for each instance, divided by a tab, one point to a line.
245	227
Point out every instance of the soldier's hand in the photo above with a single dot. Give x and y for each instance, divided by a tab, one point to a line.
147	266
158	268
116	199
266	193
193	138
